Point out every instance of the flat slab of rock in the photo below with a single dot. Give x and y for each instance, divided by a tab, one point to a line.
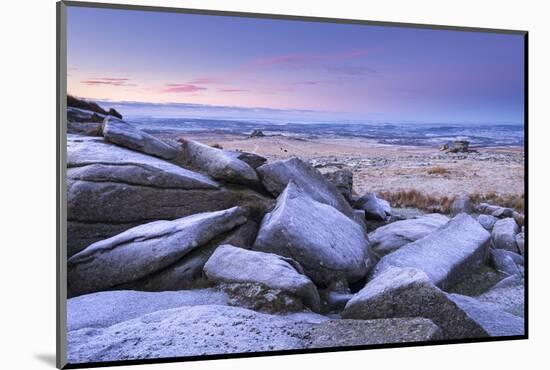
122	133
276	176
233	265
111	189
391	237
215	329
326	243
103	309
187	273
410	293
494	321
191	331
507	295
445	255
145	249
374	207
340	333
504	234
217	163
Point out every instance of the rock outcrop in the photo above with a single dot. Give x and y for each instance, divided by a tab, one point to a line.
187	273
217	163
124	134
276	176
104	309
215	329
487	221
495	322
343	180
504	234
389	238
145	249
446	255
237	266
410	293
111	189
507	262
507	295
374	207
326	243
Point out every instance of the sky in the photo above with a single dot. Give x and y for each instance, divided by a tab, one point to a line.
237	67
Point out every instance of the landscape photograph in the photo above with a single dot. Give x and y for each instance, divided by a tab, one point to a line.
251	185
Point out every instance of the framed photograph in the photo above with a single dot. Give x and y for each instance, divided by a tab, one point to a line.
235	184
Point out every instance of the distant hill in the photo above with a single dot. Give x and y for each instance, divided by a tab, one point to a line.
90	106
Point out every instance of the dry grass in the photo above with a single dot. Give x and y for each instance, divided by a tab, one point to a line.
438	170
515	201
442	204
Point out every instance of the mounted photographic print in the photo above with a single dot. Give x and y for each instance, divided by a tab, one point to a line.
235	184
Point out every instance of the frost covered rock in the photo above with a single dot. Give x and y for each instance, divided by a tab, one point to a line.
445	255
145	249
389	238
504	234
327	244
374	207
122	133
232	265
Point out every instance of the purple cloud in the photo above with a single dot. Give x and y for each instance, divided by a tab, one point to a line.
182	88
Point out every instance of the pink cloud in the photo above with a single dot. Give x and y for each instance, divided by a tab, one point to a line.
205	81
232	90
182	88
112	81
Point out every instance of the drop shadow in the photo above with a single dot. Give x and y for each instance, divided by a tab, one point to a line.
46	358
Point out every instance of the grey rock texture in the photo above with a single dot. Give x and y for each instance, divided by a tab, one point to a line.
343	180
507	262
215	329
217	163
504	234
111	189
191	331
374	207
507	295
103	309
445	255
487	221
145	249
520	241
391	237
462	204
276	176
343	333
124	134
494	321
410	293
229	264
187	273
326	243
253	160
